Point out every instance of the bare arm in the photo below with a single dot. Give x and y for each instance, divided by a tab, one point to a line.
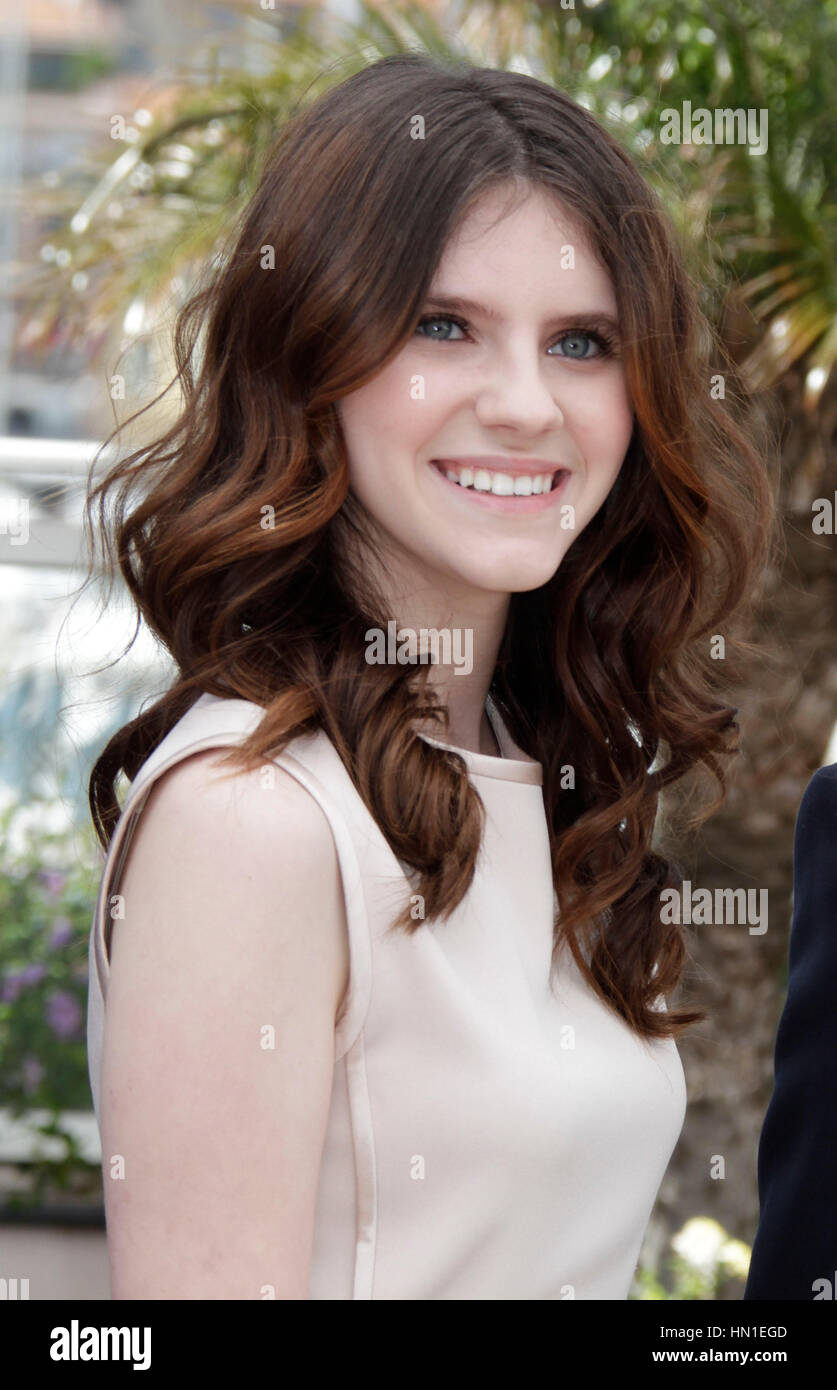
234	925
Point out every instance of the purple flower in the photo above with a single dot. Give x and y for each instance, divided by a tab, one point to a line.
33	1074
53	882
11	988
64	1014
62	932
17	980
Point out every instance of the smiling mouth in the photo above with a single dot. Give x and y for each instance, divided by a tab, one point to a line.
498	484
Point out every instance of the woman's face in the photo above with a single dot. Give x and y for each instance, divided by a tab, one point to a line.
517	393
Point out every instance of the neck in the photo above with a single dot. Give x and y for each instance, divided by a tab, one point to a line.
474	621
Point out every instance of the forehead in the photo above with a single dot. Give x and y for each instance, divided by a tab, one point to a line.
508	213
511	239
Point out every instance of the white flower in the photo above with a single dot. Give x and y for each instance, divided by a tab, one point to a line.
735	1258
700	1243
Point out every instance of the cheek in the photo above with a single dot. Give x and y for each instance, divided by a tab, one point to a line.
363	414
364	423
606	425
383	411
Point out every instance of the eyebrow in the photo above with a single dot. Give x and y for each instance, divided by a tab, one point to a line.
459	305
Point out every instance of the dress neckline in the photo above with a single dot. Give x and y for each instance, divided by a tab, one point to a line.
514	766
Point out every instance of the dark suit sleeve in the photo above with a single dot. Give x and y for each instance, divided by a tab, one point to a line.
796	1241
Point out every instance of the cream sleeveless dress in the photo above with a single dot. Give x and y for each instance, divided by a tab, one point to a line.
493	1133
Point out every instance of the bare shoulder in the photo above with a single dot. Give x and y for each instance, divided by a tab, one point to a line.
205	792
227	970
252	849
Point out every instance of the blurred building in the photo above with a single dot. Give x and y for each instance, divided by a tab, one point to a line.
67	66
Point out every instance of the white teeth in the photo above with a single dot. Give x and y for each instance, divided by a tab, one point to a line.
501	484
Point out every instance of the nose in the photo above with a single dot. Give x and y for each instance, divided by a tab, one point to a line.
517	394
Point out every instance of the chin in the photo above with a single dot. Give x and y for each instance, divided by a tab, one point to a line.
510	578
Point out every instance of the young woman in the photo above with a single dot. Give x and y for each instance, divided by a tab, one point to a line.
439	543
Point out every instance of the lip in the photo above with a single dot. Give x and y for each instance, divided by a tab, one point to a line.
512	506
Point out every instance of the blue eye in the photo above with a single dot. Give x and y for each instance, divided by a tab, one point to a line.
439	318
603	340
604	344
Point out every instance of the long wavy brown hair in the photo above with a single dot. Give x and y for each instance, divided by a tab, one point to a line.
607	667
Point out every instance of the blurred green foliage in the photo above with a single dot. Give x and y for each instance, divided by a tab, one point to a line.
48	887
161	190
703	1262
